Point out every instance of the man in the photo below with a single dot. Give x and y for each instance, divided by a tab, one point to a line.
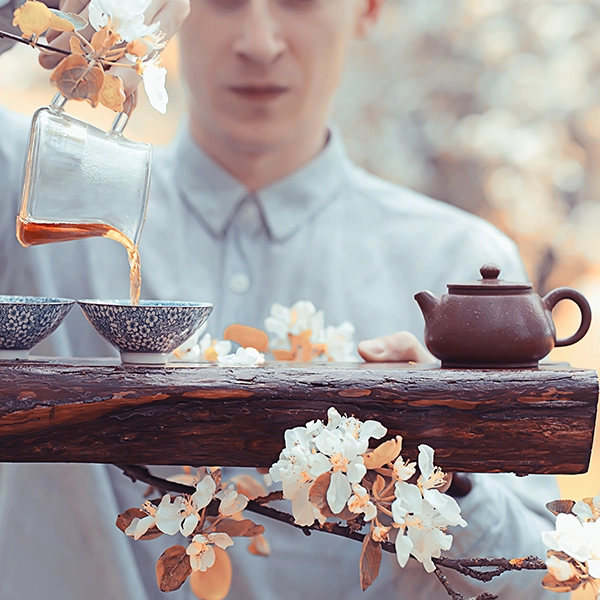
255	202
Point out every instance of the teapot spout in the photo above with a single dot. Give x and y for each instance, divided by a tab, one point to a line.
428	303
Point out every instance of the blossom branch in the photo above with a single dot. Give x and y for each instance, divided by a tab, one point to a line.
31	42
465	566
456	595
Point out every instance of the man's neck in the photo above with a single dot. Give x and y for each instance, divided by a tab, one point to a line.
257	168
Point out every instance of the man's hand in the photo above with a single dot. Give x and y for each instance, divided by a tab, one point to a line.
170	13
398	347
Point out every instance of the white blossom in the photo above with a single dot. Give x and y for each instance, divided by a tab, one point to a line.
190	349
560	569
138	527
204	493
587	512
201	551
124	18
154	78
176	516
243	357
301	316
231	502
360	502
340	342
317	449
422	513
579	540
181	514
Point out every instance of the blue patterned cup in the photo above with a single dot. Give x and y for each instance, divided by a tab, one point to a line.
148	332
27	320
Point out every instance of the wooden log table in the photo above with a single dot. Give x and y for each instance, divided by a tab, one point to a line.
523	421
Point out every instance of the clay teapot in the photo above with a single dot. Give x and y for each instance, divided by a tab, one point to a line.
492	323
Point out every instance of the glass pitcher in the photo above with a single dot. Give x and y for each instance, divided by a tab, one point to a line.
81	181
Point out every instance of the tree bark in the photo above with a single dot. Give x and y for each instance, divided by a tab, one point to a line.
523	421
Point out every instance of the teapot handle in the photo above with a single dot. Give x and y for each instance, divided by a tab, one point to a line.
551	299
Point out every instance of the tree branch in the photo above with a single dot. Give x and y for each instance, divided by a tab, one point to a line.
22	40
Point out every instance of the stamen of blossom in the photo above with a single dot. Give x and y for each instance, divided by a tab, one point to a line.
360	502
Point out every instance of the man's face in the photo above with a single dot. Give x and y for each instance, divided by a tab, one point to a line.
261	71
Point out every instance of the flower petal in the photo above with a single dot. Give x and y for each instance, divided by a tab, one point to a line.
338	492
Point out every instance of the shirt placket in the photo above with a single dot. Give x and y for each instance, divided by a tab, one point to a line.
244	235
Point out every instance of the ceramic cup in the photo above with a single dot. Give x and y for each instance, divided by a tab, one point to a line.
148	332
26	321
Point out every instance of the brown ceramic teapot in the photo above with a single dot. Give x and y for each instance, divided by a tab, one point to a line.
492	323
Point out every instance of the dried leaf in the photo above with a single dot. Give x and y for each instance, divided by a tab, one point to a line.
173	568
302	348
60	24
385	453
370	561
301	345
75	22
378	486
557	507
216	474
318	497
259	546
283	355
124	521
104	39
125	518
33	18
75	45
318	494
214	583
551	583
77	79
249	486
247	337
243	528
112	93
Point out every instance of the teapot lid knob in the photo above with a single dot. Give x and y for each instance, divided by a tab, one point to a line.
490	271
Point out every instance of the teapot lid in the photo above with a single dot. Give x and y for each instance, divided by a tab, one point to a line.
490	284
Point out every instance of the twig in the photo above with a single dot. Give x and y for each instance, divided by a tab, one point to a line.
22	40
446	585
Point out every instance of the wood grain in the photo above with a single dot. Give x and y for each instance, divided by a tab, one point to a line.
524	421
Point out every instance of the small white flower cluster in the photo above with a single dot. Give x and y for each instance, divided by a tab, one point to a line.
316	449
205	348
577	536
303	316
183	514
127	20
420	512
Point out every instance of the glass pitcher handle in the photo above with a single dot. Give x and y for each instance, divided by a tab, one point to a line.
59	101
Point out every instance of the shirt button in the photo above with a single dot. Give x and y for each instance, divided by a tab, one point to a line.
239	283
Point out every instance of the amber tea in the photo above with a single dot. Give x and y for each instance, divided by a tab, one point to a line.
32	233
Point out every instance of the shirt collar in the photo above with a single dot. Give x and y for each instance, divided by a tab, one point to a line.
286	204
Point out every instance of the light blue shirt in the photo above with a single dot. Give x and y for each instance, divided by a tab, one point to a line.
355	245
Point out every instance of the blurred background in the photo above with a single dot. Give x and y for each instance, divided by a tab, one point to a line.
490	105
